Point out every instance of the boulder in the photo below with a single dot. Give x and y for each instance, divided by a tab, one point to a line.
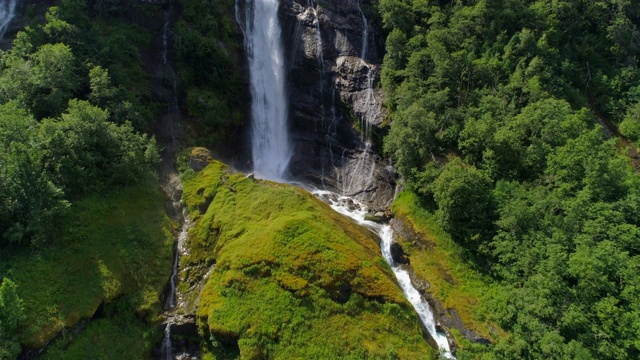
199	158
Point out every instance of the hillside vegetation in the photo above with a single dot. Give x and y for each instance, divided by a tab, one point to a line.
82	220
498	110
291	278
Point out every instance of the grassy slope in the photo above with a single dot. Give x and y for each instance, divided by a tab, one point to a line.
441	263
282	258
109	245
119	335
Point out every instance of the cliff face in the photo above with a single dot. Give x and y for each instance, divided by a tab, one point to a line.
333	66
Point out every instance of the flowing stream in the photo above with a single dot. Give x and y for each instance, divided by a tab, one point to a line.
7	13
351	208
271	149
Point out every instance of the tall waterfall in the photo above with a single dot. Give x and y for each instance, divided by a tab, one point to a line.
269	136
7	13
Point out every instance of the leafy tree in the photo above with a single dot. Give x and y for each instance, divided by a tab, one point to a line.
11	314
83	150
462	194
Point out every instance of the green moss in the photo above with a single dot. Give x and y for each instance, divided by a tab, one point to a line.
292	279
440	261
107	245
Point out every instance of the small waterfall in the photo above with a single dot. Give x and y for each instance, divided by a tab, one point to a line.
352	179
166	351
269	112
171	180
353	209
7	13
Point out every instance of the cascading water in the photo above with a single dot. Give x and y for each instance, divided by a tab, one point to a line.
270	134
7	13
353	209
353	179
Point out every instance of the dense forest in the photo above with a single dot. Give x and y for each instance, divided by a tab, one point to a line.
516	122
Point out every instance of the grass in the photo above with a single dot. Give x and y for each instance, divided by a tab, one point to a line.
441	262
292	278
107	246
120	335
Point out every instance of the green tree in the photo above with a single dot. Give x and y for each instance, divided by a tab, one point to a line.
11	315
462	194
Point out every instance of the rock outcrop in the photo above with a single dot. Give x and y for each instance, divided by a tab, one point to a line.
333	62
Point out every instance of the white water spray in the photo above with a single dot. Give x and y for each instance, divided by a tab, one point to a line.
7	13
270	135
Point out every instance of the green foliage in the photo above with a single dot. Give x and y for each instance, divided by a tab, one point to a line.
119	335
513	90
84	150
292	278
55	146
208	51
114	244
44	82
464	204
11	316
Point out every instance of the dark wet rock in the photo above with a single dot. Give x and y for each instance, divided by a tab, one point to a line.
333	62
405	232
184	326
398	255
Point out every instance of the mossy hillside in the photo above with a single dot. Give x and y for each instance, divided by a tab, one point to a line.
292	279
440	261
107	246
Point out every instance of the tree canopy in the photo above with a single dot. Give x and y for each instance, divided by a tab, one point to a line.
502	115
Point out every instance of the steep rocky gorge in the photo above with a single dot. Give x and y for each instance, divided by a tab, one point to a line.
333	61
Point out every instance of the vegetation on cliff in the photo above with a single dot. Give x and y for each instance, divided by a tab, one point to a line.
80	206
290	277
498	110
208	55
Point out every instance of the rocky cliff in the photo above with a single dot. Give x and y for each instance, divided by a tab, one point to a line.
334	62
335	110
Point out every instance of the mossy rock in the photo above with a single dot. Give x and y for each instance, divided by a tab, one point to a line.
199	158
292	278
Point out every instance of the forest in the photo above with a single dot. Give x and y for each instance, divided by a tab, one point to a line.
516	123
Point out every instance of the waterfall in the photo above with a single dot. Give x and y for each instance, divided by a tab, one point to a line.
7	13
270	142
269	130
